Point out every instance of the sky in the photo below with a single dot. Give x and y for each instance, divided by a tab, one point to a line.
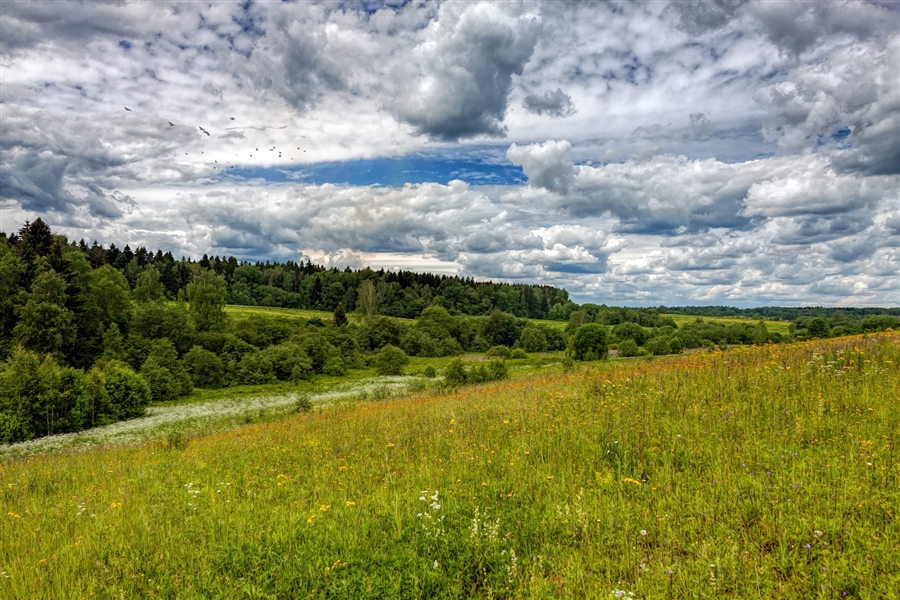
634	153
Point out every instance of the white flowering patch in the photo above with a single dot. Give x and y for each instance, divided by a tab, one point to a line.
160	419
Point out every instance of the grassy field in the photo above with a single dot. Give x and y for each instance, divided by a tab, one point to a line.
242	312
773	326
759	472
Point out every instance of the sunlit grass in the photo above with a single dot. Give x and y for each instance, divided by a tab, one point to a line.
760	472
781	327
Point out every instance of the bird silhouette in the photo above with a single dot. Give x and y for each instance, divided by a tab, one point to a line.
204	131
126	108
232	118
171	124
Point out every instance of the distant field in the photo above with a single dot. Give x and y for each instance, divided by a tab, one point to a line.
242	312
773	326
756	472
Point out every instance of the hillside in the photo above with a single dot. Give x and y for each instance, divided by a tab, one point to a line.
764	471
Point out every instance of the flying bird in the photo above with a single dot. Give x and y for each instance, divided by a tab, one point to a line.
204	131
128	109
232	118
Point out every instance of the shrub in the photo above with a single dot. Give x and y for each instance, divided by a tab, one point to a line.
501	351
390	361
589	342
455	375
334	366
533	339
430	372
128	392
658	346
204	367
255	369
164	373
284	358
518	353
302	371
629	348
496	370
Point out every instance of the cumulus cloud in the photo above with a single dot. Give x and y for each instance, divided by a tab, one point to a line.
849	101
553	104
546	165
465	69
699	16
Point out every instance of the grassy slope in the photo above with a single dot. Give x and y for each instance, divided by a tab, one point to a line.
757	472
240	312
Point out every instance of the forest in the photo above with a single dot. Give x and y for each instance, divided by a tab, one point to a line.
91	335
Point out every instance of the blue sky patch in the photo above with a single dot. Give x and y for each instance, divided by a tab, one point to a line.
476	169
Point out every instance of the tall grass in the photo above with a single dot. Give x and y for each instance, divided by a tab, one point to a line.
753	473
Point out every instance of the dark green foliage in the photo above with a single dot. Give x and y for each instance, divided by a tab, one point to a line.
458	374
390	361
455	374
534	339
147	287
154	321
207	293
264	331
518	353
817	328
630	331
589	342
340	315
629	348
430	372
502	328
285	357
381	332
45	325
126	391
501	351
164	373
205	368
334	366
658	346
255	368
39	397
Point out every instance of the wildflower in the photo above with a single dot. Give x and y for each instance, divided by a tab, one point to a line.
643	532
350	503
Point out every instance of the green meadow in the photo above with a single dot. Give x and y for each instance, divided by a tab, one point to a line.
756	472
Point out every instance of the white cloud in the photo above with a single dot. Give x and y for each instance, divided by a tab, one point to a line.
465	69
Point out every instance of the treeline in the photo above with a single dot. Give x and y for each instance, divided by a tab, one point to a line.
785	313
310	286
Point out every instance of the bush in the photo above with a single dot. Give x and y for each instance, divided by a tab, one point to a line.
284	358
204	367
496	370
302	371
455	375
533	339
518	353
390	361
501	351
334	366
629	348
658	346
430	372
164	373
255	369
127	392
589	342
